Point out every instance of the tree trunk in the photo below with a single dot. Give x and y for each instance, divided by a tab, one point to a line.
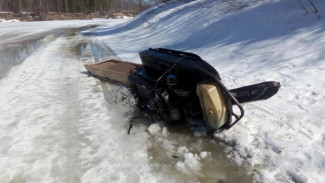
66	6
20	10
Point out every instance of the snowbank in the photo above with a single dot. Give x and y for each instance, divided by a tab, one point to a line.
250	41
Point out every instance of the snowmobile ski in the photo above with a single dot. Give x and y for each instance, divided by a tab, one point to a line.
255	92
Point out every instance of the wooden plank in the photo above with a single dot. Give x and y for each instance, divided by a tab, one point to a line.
113	70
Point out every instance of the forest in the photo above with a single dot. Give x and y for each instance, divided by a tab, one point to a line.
74	6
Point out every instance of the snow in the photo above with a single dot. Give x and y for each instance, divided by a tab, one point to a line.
57	122
11	20
154	129
191	164
282	139
21	30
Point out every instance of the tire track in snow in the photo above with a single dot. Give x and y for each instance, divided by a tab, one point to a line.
55	125
39	111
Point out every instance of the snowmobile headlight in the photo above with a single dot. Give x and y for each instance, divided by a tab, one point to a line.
213	104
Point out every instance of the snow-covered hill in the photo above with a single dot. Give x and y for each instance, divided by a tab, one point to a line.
250	41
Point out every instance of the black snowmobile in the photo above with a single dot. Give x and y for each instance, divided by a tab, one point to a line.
174	85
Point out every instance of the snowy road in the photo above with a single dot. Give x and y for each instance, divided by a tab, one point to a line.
57	124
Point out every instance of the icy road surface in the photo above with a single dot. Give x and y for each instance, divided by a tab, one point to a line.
57	124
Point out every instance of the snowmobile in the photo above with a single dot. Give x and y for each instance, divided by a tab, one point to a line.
173	85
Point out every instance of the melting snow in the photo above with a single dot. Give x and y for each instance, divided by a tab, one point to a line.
59	125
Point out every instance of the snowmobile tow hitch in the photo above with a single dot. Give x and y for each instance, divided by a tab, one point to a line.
175	86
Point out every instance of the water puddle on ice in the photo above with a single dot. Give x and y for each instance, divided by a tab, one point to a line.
12	54
174	153
174	150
